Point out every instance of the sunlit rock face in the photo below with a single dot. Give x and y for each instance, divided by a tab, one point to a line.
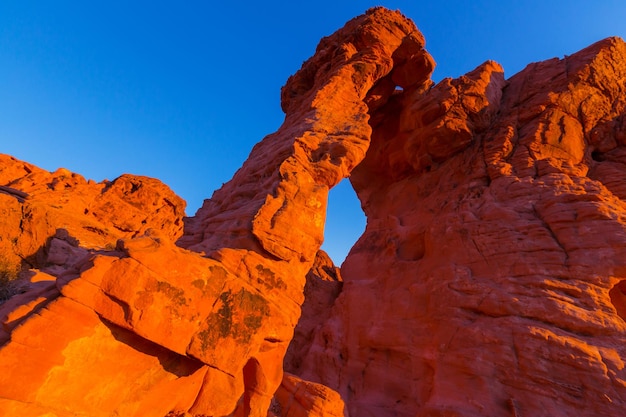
36	203
51	222
208	320
490	280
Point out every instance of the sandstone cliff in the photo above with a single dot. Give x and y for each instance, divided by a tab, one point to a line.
489	280
496	215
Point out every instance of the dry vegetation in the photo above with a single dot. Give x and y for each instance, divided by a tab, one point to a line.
9	272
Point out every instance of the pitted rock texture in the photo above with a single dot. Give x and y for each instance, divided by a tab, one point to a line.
276	203
490	277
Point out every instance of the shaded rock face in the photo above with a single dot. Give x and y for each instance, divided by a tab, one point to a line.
490	277
489	280
323	285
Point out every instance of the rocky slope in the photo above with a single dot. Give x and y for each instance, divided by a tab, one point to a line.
36	203
489	280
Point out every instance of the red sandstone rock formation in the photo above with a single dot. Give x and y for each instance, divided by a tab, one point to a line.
53	221
496	214
489	280
323	285
35	203
219	314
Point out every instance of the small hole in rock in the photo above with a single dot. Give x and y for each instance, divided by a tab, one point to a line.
597	156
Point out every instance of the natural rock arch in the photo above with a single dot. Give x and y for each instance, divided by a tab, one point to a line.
485	282
229	294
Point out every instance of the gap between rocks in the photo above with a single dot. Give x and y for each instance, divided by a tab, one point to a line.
345	221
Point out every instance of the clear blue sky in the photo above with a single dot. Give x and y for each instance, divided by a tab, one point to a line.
182	90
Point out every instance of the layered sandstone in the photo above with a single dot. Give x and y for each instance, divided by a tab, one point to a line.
489	280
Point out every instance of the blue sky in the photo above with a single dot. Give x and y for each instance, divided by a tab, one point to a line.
181	91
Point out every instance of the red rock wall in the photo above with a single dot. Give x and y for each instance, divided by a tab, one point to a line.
490	278
323	285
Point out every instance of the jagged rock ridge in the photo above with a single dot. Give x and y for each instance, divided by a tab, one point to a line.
489	280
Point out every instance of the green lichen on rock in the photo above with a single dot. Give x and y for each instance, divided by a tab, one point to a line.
198	283
239	316
217	276
267	277
225	314
173	293
218	273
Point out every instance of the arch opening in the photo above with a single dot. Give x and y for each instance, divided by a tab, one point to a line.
345	221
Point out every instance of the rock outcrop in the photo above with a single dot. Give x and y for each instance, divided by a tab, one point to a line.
323	285
36	203
490	279
209	321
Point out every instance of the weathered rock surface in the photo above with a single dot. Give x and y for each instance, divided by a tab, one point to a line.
490	279
298	398
218	311
35	204
323	285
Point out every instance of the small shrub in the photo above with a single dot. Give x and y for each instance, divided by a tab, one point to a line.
9	272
